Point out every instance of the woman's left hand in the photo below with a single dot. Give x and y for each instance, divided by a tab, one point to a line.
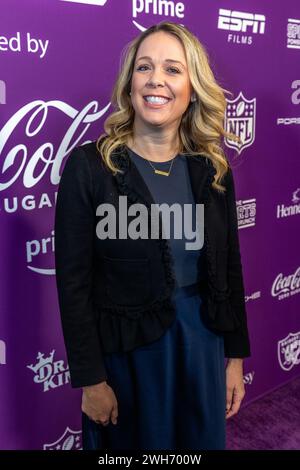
235	389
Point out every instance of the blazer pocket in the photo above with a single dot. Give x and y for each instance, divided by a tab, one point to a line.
127	280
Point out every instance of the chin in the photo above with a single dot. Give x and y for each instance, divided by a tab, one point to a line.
155	119
155	123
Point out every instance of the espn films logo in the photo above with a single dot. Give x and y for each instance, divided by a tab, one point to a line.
240	21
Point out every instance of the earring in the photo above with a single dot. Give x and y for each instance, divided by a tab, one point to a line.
130	93
193	98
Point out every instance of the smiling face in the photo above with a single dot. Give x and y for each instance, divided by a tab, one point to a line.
160	87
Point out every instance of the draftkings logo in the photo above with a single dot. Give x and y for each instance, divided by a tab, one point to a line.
50	373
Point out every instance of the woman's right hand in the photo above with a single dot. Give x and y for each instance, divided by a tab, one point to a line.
99	403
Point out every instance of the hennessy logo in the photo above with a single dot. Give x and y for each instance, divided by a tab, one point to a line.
286	211
51	373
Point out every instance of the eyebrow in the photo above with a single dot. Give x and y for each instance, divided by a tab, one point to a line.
166	60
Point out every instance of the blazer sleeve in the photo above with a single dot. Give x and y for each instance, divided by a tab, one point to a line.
236	342
74	242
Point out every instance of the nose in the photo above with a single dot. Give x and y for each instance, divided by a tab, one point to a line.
156	79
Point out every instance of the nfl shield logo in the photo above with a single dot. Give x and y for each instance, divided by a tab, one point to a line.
70	440
289	351
240	120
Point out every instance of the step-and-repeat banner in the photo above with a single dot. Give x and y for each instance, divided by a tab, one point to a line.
58	62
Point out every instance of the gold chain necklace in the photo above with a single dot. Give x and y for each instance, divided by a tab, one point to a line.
161	172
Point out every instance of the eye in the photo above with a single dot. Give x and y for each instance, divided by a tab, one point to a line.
144	67
140	67
174	70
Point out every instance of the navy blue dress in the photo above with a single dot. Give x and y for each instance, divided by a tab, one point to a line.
171	393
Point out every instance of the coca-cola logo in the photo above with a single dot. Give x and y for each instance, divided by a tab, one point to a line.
286	285
17	162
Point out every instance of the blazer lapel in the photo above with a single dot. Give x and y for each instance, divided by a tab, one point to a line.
200	177
130	182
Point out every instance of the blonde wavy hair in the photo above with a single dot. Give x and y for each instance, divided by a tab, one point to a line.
201	128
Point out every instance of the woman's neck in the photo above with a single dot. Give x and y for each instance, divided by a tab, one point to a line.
155	147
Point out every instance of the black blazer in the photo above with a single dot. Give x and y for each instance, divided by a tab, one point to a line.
115	294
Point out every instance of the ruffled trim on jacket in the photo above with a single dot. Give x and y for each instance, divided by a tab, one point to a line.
131	329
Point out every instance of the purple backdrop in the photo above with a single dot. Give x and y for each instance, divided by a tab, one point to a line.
59	59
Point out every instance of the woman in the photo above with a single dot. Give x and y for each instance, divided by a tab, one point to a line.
146	321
